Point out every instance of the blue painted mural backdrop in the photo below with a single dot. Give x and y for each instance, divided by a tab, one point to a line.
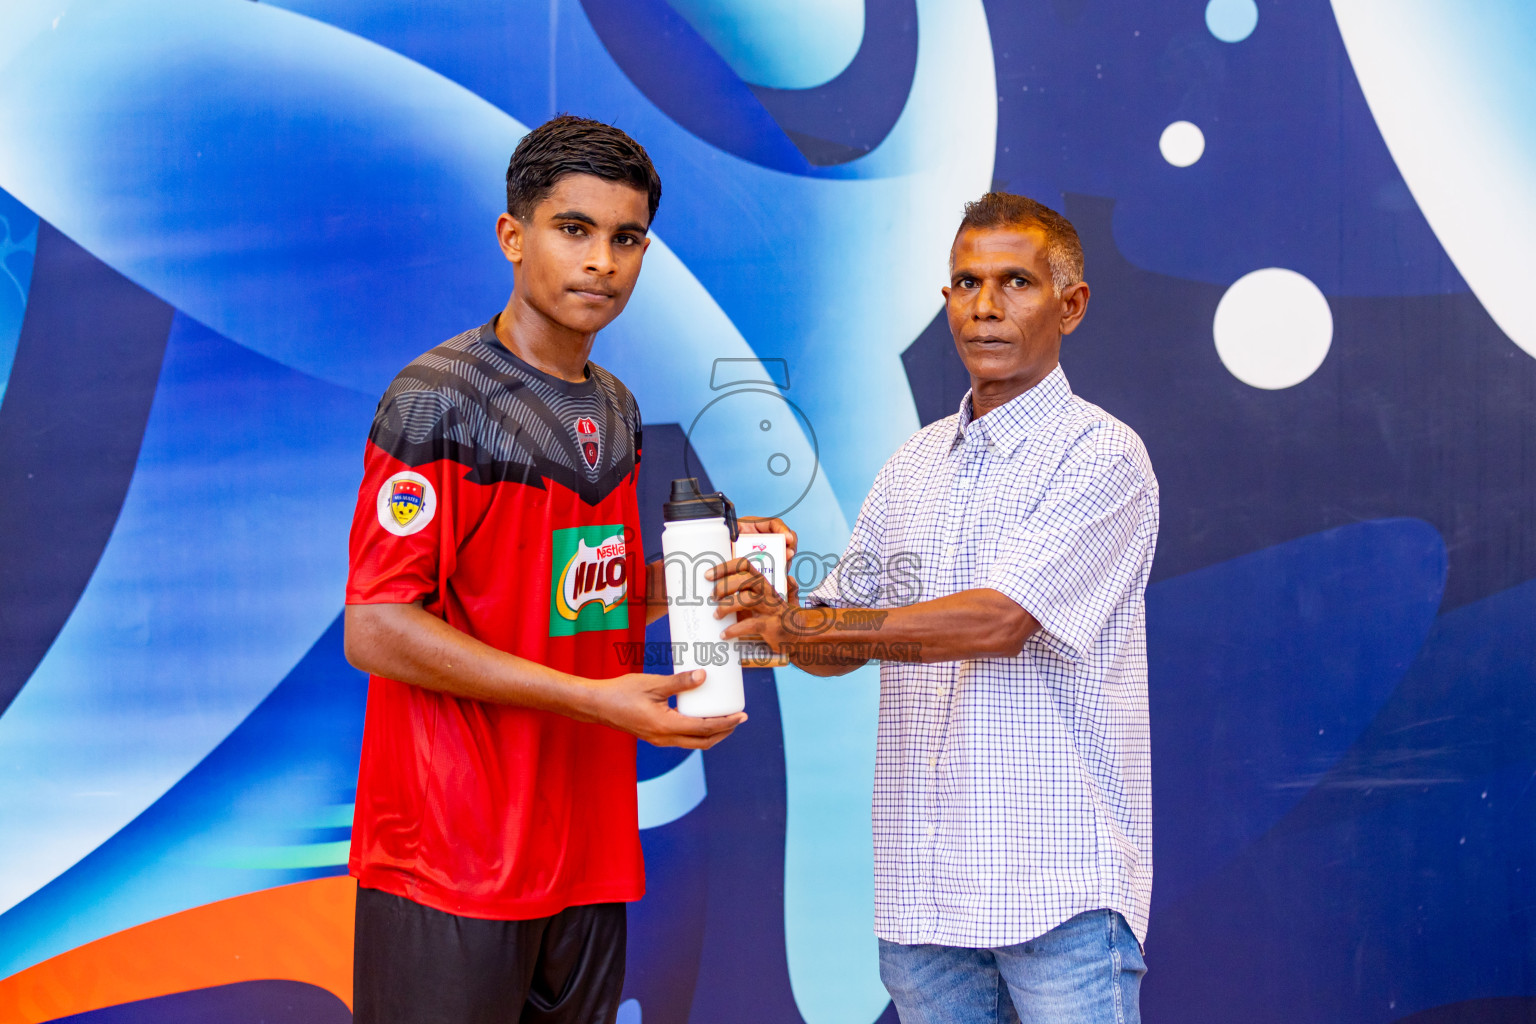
1310	231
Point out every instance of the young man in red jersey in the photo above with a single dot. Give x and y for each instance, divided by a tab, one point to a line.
497	577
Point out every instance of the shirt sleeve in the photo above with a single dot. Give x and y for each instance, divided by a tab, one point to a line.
1073	560
411	507
856	581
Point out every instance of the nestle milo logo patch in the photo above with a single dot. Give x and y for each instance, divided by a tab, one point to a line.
589	585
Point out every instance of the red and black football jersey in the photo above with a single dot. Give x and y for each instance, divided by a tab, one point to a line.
503	499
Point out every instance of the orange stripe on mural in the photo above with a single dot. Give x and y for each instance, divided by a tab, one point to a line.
300	932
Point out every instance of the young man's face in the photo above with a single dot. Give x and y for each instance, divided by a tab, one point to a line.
578	255
1006	320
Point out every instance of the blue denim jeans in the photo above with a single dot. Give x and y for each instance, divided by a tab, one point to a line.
1084	971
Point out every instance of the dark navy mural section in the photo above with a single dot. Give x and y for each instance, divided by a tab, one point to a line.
1294	171
1309	231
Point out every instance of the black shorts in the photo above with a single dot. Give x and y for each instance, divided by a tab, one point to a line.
416	965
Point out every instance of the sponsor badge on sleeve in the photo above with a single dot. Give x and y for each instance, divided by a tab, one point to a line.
407	503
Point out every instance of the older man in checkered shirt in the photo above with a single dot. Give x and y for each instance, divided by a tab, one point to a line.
997	570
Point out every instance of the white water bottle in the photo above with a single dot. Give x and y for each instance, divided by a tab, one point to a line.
698	535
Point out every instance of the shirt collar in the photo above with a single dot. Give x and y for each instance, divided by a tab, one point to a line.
1010	424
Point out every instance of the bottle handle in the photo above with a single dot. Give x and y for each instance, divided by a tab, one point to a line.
730	517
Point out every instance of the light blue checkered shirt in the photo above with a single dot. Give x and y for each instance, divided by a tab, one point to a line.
1013	793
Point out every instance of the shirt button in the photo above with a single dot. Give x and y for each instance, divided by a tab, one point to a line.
930	831
933	762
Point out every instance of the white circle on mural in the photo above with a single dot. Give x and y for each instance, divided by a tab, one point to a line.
1182	143
1273	328
1231	21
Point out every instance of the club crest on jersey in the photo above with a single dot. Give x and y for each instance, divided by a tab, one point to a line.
406	503
405	500
586	436
590	585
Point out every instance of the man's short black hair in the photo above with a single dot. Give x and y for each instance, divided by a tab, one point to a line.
1063	249
575	145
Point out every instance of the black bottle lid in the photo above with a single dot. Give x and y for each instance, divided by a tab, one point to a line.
688	503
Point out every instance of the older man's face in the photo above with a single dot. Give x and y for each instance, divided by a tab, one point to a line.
1006	319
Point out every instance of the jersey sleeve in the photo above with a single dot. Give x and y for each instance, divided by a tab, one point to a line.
411	506
639	573
639	427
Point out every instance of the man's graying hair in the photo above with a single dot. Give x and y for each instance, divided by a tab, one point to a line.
1063	250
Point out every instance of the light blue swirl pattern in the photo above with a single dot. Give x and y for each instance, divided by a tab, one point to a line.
326	202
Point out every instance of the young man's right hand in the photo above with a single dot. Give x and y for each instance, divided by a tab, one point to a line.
637	704
408	643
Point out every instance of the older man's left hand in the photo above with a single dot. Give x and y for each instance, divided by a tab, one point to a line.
761	614
752	524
